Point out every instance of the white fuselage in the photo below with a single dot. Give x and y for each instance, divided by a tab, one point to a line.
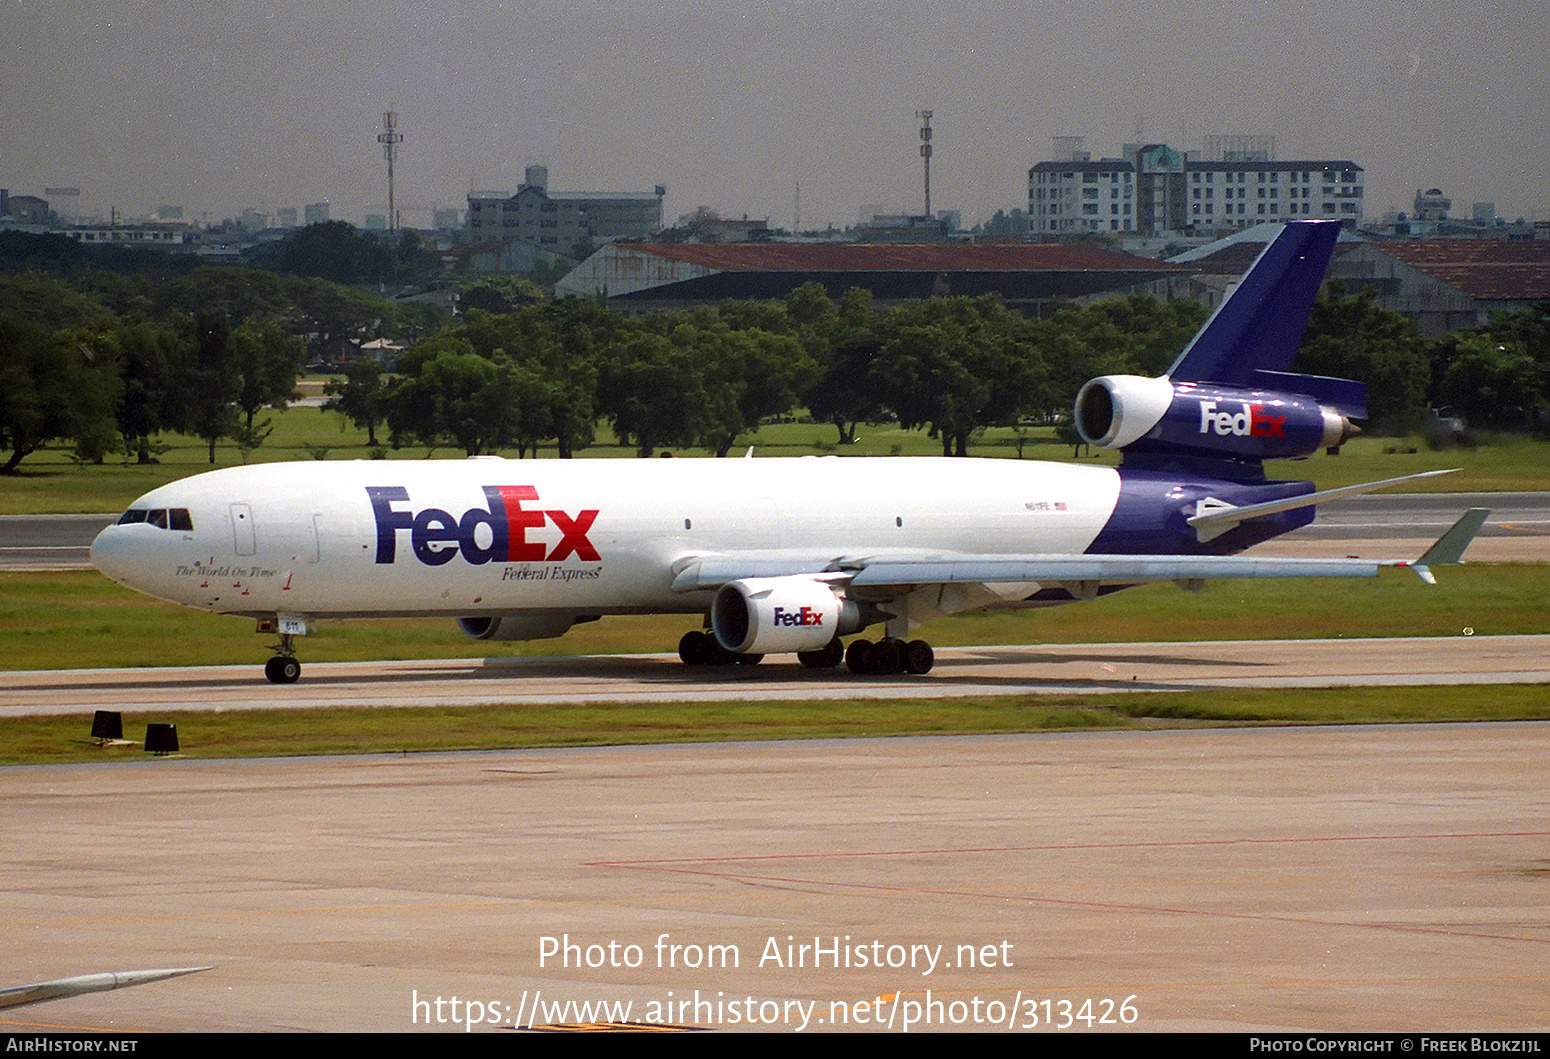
401	538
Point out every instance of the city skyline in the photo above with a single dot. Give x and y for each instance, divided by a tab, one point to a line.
731	105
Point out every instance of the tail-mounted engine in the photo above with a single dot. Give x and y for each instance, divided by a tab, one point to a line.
1158	416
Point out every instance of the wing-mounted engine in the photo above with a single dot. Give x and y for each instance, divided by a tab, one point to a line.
1205	419
772	615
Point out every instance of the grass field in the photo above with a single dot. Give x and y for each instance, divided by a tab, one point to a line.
264	733
79	619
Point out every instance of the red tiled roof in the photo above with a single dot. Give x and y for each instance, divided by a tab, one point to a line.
1491	269
903	257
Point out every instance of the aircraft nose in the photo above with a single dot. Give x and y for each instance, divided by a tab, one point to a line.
107	552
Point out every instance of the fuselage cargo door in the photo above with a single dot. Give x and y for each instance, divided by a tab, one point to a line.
243	538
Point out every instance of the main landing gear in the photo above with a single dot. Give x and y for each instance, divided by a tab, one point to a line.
884	658
887	656
698	648
284	668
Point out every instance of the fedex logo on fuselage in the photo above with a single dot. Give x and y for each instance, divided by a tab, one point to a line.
1251	422
437	536
804	616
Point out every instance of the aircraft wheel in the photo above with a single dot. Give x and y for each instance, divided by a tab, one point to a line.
888	656
748	659
696	648
918	657
282	669
858	656
826	657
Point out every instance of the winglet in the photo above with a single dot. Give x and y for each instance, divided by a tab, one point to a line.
1449	548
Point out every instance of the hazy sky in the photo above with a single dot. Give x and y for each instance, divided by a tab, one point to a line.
731	103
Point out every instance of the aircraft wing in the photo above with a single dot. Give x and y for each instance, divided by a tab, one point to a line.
888	571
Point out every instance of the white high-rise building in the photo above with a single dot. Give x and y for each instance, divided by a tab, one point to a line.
1156	189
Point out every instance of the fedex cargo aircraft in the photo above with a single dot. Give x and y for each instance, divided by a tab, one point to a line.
789	556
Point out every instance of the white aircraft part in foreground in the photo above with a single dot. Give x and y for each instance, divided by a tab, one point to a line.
20	995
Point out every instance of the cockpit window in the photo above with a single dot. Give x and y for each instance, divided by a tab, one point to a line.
175	518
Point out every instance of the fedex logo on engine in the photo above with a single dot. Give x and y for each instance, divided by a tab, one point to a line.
805	616
1251	422
496	533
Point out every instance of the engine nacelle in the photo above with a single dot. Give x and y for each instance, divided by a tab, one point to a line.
540	625
773	615
1114	410
1204	419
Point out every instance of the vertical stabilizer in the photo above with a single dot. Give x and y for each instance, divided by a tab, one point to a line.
1260	325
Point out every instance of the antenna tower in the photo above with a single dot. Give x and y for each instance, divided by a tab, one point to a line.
925	151
389	139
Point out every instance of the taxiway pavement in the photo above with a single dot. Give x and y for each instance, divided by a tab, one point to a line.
964	671
1370	879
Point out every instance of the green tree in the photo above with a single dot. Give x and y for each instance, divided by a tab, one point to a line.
155	361
453	394
956	366
50	302
211	382
332	250
266	362
1490	384
54	386
1349	337
1508	359
845	343
360	397
652	392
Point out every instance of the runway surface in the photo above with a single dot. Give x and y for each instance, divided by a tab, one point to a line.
1350	879
49	542
969	671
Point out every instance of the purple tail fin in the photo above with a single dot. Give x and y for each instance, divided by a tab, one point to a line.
1260	325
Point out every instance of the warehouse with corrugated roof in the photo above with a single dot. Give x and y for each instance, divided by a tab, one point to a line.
1027	275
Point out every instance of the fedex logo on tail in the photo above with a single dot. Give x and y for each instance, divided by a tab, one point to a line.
1251	422
436	536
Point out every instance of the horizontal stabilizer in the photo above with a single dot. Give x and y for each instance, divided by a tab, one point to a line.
1345	396
1214	518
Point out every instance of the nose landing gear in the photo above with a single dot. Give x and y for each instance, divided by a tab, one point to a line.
284	668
